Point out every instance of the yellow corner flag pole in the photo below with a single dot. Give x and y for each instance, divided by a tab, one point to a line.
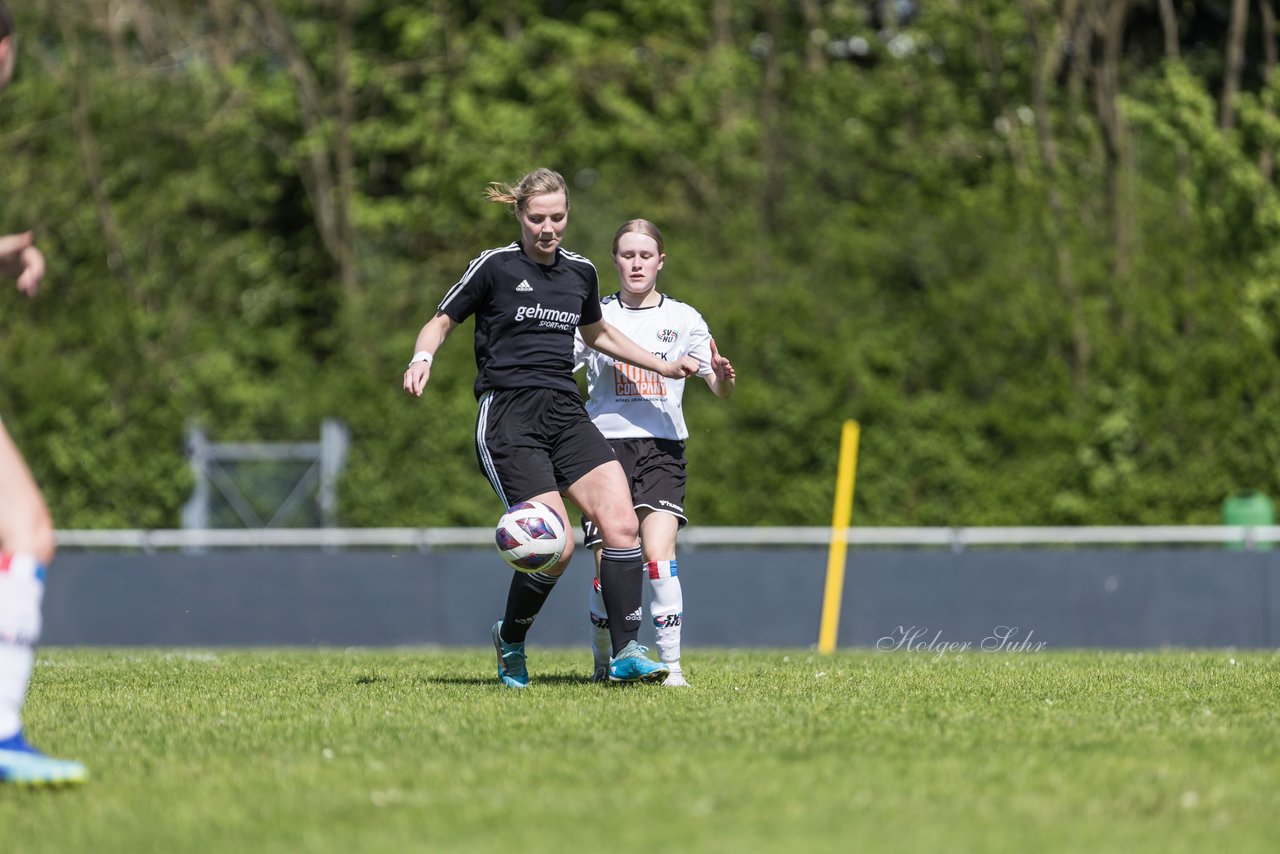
846	474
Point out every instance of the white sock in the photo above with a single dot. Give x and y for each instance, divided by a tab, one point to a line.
21	591
667	609
601	642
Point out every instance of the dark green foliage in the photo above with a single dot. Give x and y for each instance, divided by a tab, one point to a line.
870	239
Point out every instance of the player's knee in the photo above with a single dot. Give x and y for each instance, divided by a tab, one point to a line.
44	547
31	533
621	529
563	563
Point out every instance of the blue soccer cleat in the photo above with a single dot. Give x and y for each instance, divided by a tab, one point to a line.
23	765
511	660
632	664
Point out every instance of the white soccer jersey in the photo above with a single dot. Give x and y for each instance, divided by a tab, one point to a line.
627	402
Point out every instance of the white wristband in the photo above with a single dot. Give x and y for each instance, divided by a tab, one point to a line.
421	356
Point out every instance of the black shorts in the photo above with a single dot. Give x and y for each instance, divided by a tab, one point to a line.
655	468
535	440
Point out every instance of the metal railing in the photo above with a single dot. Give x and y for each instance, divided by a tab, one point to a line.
423	539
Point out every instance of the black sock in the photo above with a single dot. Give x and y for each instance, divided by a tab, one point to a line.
524	600
622	587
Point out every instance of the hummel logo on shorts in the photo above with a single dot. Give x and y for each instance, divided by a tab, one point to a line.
524	287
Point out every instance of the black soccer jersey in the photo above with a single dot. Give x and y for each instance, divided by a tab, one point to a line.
526	314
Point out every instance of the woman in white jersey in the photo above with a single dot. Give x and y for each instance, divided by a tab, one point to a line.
530	300
642	416
26	538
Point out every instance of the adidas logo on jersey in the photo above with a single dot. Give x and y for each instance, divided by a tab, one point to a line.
524	287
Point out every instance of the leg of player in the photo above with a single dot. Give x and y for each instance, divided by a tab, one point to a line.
658	533
525	598
26	547
604	497
601	641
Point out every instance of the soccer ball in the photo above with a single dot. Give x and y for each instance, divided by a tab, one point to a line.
530	537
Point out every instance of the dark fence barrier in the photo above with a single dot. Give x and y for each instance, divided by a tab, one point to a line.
764	597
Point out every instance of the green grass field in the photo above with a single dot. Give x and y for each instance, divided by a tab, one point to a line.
407	750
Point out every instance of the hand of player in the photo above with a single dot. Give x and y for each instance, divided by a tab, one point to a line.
722	367
21	259
685	366
415	378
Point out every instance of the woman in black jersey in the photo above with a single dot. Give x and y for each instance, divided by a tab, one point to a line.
534	440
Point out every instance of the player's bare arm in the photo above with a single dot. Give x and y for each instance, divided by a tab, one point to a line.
608	340
723	378
424	350
21	260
